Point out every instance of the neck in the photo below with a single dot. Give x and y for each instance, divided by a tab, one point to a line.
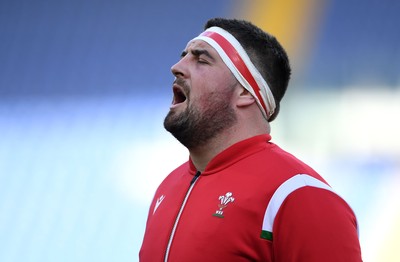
202	155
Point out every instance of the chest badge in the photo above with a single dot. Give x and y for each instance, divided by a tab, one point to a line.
224	201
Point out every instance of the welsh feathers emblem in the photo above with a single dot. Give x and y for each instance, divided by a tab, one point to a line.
224	201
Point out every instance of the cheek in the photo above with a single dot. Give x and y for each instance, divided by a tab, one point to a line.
210	85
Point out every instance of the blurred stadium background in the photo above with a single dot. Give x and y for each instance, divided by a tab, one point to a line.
85	85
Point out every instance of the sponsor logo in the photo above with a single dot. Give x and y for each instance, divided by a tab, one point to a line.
158	202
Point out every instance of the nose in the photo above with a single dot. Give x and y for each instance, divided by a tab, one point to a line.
178	69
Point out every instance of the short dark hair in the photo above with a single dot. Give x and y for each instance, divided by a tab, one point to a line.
264	51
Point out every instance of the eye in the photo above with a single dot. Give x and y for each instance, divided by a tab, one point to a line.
183	54
202	60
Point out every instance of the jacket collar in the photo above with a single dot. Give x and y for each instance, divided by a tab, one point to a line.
233	154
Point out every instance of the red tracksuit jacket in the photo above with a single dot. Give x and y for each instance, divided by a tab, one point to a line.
254	202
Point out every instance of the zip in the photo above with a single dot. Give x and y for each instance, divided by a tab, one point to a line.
171	237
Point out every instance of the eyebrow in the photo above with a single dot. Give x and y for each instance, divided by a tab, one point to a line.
198	52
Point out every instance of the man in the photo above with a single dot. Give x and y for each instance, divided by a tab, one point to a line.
240	197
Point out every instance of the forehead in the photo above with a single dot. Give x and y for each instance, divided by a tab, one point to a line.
200	44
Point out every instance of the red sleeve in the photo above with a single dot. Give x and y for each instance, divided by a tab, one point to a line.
315	225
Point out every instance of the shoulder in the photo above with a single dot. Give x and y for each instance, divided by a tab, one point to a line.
177	174
306	215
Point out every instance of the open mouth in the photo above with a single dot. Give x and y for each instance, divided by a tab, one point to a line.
179	95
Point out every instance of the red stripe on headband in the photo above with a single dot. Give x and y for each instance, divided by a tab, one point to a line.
237	60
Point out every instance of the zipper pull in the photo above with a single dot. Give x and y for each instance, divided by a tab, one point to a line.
195	177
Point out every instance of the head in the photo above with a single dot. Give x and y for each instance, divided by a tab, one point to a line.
204	88
266	53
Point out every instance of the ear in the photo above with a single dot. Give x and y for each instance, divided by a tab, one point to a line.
245	98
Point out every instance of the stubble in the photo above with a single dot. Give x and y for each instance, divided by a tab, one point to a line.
196	125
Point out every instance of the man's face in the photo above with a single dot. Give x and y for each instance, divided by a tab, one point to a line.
203	91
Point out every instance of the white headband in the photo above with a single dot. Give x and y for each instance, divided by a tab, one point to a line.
237	60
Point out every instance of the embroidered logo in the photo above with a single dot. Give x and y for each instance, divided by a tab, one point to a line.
158	203
224	201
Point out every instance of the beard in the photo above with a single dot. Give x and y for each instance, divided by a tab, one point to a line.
195	127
